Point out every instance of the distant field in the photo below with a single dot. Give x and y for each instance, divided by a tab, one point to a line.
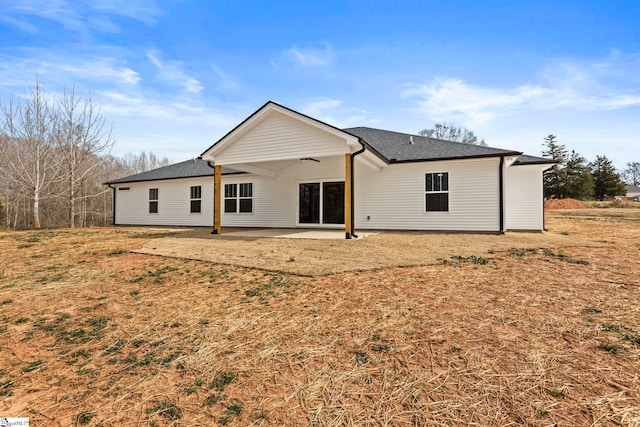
408	329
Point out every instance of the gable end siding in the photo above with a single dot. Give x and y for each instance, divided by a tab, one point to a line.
279	137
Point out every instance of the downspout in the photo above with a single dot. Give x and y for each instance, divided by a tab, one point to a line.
113	220
352	213
501	184
214	231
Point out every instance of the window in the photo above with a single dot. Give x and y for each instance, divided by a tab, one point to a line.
238	198
437	192
153	200
196	199
124	188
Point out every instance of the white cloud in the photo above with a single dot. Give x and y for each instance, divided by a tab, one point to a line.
18	72
309	57
78	16
601	85
225	82
448	99
333	112
20	23
171	71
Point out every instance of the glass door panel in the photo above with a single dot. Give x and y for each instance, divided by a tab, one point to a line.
309	203
333	202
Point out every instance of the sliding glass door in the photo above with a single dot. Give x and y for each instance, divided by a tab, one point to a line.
321	203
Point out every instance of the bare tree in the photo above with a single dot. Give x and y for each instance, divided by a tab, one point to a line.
81	136
631	175
143	162
452	132
28	154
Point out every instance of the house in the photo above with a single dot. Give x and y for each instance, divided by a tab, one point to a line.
633	192
280	168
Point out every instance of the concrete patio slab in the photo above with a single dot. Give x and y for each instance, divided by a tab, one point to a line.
289	233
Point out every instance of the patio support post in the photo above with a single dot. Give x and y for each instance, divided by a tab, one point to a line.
347	196
217	205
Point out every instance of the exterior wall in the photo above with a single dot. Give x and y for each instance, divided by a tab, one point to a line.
174	203
524	198
275	200
280	137
395	197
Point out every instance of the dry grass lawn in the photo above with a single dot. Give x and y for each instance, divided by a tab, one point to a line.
522	329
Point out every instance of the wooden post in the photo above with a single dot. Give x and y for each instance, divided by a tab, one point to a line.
217	200
347	196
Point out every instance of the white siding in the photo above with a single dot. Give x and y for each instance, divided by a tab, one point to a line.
280	137
174	203
524	197
395	197
275	200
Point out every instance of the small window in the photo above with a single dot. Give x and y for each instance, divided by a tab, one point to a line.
196	199
238	198
124	188
153	200
437	192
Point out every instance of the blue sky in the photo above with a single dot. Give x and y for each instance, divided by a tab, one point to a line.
173	76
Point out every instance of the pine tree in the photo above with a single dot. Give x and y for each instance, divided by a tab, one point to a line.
554	178
578	179
606	180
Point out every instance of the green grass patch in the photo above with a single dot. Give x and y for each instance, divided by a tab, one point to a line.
562	257
633	338
458	260
610	348
233	410
222	381
84	417
117	252
32	366
166	409
362	357
5	388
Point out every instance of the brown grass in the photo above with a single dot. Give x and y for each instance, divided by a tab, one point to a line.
545	333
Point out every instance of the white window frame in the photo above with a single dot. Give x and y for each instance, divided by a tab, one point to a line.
428	191
238	197
156	200
195	199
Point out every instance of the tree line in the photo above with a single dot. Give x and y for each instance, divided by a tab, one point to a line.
55	157
574	177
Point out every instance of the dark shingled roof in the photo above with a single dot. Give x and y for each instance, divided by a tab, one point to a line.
526	159
394	147
397	148
187	169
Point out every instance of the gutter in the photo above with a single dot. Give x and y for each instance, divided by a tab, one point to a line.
113	221
501	185
353	210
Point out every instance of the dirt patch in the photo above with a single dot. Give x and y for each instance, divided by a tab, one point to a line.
541	334
564	204
312	257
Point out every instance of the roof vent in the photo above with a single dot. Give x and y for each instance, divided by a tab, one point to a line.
411	139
